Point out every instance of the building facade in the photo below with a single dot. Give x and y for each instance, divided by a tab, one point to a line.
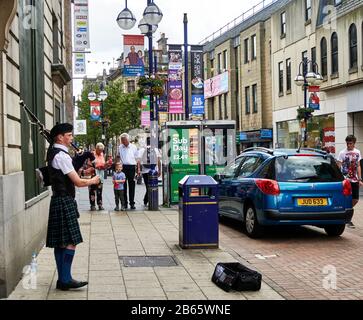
35	66
328	32
244	52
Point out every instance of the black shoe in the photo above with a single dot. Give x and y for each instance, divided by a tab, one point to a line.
117	209
73	284
93	208
123	208
350	225
132	207
101	208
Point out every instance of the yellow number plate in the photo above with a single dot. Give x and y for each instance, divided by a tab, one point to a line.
312	201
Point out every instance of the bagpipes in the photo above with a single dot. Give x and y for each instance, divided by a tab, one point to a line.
78	160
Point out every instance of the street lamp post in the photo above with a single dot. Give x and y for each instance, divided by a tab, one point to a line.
148	25
307	78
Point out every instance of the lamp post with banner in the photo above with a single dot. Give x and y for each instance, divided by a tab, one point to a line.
148	25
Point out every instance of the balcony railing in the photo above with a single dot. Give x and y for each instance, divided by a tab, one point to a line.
243	17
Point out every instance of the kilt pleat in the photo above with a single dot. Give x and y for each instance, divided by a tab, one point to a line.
63	226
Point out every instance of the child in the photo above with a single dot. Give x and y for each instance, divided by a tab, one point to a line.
119	179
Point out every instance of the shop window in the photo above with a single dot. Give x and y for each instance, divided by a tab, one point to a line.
324	57
334	54
131	87
353	57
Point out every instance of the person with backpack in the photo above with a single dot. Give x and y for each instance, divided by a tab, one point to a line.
147	156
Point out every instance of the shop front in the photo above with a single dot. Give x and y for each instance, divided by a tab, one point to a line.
256	138
320	133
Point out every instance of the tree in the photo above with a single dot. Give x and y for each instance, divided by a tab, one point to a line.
121	111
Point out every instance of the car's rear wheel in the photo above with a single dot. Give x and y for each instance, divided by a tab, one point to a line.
334	230
251	224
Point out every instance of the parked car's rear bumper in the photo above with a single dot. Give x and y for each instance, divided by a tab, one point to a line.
316	218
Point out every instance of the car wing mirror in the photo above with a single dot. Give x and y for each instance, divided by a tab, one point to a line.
219	177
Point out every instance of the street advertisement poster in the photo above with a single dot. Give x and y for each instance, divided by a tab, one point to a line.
162	101
79	63
95	110
216	85
134	63
80	127
184	157
81	25
314	101
197	80
329	139
175	80
145	112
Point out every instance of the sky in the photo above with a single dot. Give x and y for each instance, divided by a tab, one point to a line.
204	18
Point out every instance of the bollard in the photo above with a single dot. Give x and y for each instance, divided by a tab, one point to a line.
153	190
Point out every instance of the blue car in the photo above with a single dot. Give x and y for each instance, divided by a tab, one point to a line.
264	187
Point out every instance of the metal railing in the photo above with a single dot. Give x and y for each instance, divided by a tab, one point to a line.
243	17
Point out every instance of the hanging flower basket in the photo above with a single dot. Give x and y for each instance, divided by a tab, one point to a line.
149	86
302	112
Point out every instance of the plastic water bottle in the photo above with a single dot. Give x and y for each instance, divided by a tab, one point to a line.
34	264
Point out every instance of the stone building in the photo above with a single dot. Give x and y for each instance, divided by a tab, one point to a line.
328	32
35	66
244	53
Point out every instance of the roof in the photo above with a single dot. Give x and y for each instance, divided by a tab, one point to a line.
261	16
283	151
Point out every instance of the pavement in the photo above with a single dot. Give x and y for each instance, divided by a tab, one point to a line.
296	263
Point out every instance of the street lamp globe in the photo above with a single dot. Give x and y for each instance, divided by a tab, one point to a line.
126	20
310	78
144	27
299	80
318	79
152	14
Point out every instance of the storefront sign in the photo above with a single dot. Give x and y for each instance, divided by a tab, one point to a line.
197	80
266	133
81	25
79	63
216	85
80	127
134	64
253	136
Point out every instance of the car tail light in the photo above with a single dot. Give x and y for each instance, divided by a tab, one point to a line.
270	187
347	188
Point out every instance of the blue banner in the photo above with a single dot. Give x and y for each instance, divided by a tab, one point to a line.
198	104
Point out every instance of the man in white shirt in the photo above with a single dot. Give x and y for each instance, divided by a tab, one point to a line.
129	158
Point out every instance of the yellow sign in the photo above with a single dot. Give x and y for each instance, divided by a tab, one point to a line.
312	202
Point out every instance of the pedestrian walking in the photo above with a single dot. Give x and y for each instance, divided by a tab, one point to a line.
148	158
63	233
131	167
119	179
349	162
100	167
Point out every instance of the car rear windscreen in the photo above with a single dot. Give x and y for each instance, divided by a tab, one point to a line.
307	169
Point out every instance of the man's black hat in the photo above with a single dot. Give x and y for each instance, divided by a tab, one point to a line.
60	128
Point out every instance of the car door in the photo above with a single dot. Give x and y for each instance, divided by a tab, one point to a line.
244	184
226	186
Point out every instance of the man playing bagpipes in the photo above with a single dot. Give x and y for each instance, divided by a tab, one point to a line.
63	233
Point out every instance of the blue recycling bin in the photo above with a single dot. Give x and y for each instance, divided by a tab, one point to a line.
198	212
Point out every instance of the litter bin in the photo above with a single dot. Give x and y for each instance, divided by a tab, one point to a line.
198	212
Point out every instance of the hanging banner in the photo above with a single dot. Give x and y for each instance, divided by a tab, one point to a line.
197	80
314	101
216	85
134	63
163	118
79	63
80	127
95	110
81	25
175	80
145	112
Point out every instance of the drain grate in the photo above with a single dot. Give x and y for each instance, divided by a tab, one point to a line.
149	261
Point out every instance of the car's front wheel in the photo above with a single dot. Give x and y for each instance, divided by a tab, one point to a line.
252	226
335	230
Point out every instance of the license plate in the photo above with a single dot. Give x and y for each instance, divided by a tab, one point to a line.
312	201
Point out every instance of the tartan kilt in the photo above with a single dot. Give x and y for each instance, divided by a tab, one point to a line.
63	226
